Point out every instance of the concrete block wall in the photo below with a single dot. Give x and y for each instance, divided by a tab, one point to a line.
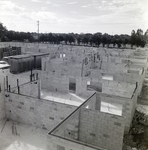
74	71
120	77
95	129
127	107
52	83
60	66
56	143
2	102
126	52
134	99
78	86
125	60
114	59
12	80
74	55
72	128
91	104
127	77
115	52
22	78
36	112
101	129
96	74
3	72
118	88
2	106
81	87
131	78
69	128
123	77
135	69
28	89
96	85
66	135
113	66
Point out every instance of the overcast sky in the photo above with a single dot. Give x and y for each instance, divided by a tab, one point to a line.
66	16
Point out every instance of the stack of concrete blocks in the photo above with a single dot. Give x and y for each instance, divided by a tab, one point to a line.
9	51
88	129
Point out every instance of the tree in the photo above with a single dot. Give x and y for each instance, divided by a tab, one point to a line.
146	36
2	31
133	38
71	38
137	38
125	39
140	41
96	38
105	39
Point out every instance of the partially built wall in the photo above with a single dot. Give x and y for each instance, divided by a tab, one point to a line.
3	72
36	112
88	128
23	105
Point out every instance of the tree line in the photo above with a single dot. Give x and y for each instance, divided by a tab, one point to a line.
137	38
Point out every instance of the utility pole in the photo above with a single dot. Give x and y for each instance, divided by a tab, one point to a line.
38	30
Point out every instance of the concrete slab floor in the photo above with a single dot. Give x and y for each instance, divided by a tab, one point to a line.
66	98
18	136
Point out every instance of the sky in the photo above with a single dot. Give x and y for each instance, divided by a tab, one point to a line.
77	16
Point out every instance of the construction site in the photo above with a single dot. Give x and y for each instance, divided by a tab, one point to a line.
66	97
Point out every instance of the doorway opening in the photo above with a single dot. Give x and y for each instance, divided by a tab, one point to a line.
72	85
